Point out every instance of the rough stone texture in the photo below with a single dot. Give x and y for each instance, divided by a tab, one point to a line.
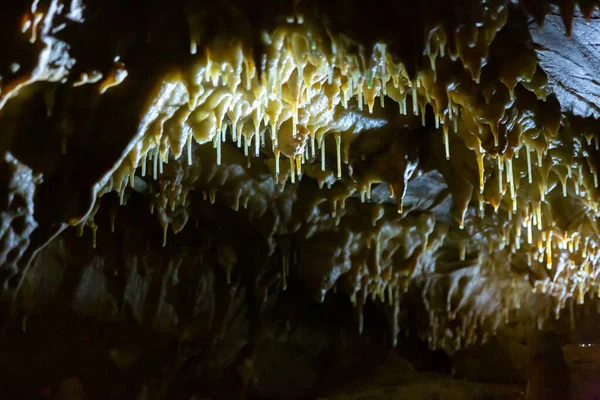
17	222
572	64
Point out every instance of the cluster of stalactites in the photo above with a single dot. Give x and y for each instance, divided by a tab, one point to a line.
304	86
306	82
